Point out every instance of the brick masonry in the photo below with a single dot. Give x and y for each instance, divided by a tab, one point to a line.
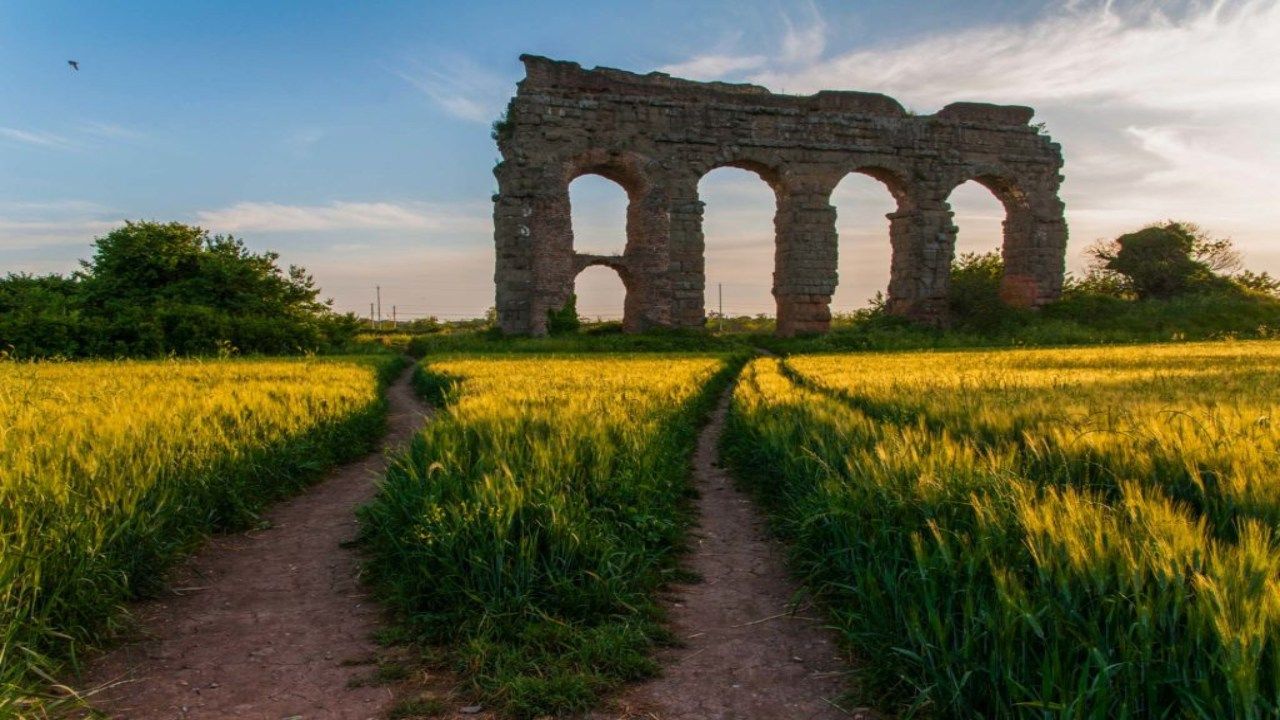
656	136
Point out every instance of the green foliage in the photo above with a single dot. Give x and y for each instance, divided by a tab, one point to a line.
565	320
502	128
1165	261
1157	262
1096	283
1102	306
1257	282
740	324
974	300
110	471
529	525
154	289
40	312
1069	533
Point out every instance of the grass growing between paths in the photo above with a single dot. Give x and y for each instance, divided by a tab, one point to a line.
109	471
1084	533
527	528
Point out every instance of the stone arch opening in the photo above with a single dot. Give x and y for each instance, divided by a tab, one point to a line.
866	200
739	207
991	213
602	293
598	214
978	214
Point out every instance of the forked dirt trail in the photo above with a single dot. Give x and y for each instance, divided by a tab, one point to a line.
746	655
272	624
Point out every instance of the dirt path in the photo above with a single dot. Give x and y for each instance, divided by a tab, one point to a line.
272	624
745	655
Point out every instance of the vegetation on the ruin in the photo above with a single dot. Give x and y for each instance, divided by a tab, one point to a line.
501	129
155	289
110	471
999	534
528	526
564	320
1203	294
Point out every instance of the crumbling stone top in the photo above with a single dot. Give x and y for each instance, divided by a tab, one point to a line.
564	77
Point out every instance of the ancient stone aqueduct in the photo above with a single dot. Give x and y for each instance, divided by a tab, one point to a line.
656	136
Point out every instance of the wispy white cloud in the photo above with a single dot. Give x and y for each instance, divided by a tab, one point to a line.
404	216
1163	109
714	66
1208	54
802	43
28	225
36	137
112	131
459	86
22	234
805	40
74	136
301	140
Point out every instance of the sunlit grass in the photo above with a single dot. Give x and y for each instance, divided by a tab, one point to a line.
1063	533
110	470
530	523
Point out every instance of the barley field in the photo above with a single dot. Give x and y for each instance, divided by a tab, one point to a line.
1085	533
528	526
111	470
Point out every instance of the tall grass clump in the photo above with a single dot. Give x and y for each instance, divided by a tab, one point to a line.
528	526
1084	533
111	470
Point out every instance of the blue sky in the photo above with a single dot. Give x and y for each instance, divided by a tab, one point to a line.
353	137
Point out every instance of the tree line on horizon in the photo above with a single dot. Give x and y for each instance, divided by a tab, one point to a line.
155	289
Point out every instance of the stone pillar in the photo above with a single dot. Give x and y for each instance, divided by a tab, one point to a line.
804	276
533	236
688	265
923	236
649	283
513	270
1034	251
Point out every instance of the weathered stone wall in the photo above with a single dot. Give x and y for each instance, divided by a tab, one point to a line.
656	136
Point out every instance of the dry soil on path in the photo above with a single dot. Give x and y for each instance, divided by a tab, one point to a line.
269	624
746	652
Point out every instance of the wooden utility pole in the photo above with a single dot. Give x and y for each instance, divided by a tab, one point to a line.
720	291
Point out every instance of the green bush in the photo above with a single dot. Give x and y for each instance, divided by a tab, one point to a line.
154	289
565	320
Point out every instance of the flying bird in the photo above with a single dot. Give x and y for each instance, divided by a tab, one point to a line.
74	65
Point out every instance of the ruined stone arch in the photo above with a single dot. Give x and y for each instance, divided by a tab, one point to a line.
618	264
657	135
770	175
895	180
628	169
770	170
1032	224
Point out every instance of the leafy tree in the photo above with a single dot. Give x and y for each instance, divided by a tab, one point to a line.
1257	282
39	315
1164	261
157	288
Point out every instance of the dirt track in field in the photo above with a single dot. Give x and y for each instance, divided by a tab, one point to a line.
268	624
747	653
